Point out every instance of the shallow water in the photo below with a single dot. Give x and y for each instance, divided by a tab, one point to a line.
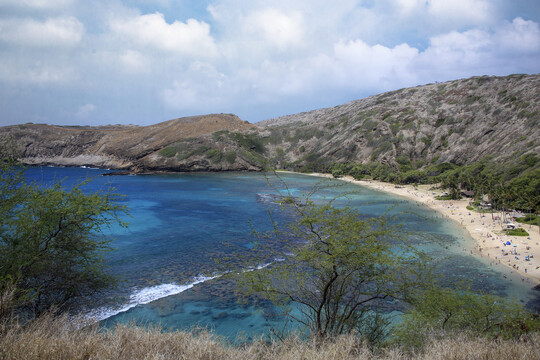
181	223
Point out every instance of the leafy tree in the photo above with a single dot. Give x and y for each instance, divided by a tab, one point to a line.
51	241
339	267
451	183
443	310
527	189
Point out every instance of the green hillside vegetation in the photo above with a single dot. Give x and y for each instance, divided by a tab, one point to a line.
511	185
223	147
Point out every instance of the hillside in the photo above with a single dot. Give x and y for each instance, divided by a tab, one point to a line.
459	122
124	147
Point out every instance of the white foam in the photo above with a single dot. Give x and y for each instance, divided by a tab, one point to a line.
145	296
262	266
153	293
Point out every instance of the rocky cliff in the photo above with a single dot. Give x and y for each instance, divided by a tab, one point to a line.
460	121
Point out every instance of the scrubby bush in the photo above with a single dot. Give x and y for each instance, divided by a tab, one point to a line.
250	142
169	151
214	155
52	242
444	310
230	156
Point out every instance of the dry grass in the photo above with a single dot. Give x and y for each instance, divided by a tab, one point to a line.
58	338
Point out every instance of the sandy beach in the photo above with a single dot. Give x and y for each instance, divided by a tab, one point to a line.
485	229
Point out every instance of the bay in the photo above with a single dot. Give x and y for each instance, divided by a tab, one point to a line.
181	223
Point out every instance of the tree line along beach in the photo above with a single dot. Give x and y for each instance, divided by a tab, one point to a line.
522	255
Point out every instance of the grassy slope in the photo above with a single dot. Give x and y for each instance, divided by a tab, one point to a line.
59	338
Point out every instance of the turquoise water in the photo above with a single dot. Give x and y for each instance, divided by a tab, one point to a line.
181	223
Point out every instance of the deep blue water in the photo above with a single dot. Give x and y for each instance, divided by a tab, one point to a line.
181	223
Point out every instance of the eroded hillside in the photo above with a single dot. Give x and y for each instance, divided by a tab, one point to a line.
128	147
459	122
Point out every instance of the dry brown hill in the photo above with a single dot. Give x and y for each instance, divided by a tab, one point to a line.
460	122
120	147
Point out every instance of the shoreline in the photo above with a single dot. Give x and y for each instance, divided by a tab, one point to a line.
487	235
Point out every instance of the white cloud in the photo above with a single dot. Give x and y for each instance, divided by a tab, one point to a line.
251	55
60	31
521	36
84	111
38	74
377	65
471	41
476	11
276	28
355	66
151	30
36	4
133	61
201	84
406	7
46	75
474	49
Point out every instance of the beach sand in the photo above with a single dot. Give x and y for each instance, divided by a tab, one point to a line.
486	231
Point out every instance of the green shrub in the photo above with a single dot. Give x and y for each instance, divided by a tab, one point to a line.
472	99
516	232
307	133
218	134
169	151
447	310
530	219
214	155
248	141
427	140
440	121
337	173
230	156
447	197
253	157
198	151
403	160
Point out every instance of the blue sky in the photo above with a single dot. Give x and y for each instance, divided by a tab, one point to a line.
141	62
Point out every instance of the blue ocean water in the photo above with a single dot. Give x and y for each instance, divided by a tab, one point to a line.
181	223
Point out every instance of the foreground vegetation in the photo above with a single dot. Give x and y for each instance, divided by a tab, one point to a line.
59	338
339	270
51	241
341	266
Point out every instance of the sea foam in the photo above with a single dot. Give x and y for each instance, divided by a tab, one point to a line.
144	296
148	294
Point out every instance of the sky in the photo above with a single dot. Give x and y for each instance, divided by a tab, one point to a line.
98	62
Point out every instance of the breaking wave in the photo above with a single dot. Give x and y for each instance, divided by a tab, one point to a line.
145	296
